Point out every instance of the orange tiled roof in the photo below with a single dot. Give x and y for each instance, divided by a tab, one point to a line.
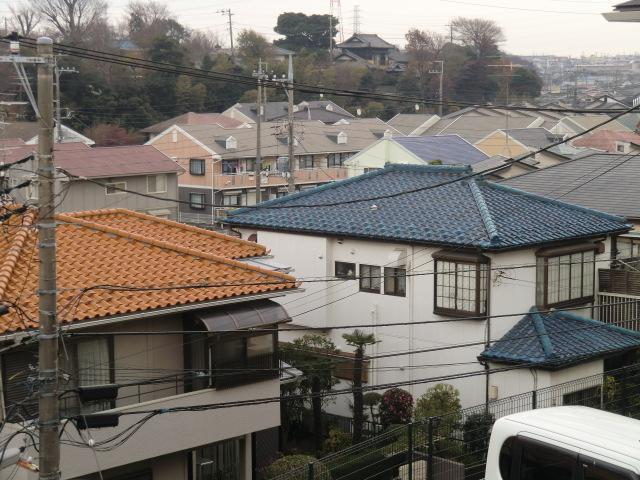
90	254
173	232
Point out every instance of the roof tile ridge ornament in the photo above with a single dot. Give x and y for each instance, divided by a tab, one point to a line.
12	255
176	248
541	331
485	214
166	221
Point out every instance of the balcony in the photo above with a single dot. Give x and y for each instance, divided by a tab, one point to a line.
618	298
274	179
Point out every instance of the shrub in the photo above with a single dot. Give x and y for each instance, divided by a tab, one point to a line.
296	463
396	406
441	399
336	440
476	433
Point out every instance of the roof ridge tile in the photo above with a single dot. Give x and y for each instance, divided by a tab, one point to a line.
14	251
485	214
169	246
165	221
541	331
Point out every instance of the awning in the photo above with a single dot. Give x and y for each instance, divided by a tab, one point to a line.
243	316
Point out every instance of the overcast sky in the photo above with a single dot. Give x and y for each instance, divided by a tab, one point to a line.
561	27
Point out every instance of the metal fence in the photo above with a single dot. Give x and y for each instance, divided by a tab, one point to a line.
454	446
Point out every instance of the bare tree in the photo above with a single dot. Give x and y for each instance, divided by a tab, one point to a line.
71	18
423	47
24	19
482	35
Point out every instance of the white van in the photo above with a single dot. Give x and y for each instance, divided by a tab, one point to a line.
564	443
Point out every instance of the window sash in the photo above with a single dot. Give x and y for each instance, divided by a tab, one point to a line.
196	166
460	287
197	201
345	270
305	161
157	183
565	280
370	278
115	188
231	200
395	281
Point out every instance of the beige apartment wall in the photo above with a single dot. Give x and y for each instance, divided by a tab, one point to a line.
181	151
498	144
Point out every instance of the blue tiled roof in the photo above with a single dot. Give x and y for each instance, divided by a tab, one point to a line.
469	212
559	338
450	149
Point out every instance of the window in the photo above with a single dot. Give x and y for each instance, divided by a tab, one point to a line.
116	188
345	270
236	352
222	461
541	461
395	281
593	469
197	201
461	284
305	161
629	251
229	167
370	280
231	200
249	164
337	159
505	461
588	397
157	183
565	277
196	166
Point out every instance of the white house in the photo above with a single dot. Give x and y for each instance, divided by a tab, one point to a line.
441	273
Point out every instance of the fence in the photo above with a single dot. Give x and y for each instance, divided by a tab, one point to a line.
454	446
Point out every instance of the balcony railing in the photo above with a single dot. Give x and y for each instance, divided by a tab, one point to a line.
624	282
207	218
618	309
273	178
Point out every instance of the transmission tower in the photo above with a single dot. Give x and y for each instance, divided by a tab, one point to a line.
335	9
356	19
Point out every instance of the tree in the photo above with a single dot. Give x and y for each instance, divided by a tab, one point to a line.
253	47
309	354
73	19
359	340
372	400
479	34
476	83
441	399
24	19
305	31
108	135
149	20
423	48
526	83
396	406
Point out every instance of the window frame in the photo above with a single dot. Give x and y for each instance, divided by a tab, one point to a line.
166	187
236	196
115	185
371	277
483	266
543	258
198	161
395	291
348	277
202	206
304	159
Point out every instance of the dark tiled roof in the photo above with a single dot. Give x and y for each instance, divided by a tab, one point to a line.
444	209
558	338
191	118
367	40
450	149
533	137
317	110
607	182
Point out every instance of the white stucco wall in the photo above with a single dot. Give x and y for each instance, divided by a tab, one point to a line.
339	304
377	155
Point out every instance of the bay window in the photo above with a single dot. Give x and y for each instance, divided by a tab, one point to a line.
461	284
565	276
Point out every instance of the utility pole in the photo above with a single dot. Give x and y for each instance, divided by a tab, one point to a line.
260	76
48	336
440	72
331	36
58	72
227	12
291	141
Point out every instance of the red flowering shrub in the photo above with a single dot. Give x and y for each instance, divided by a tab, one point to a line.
396	406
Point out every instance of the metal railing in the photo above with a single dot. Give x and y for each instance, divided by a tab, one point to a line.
275	178
454	446
207	217
618	309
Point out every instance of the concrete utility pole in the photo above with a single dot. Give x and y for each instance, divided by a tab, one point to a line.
227	12
291	188
440	72
260	76
48	336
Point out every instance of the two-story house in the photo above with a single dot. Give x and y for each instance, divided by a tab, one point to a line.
219	163
440	265
161	314
439	149
370	47
99	177
324	111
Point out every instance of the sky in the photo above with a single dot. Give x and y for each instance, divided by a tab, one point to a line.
560	27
